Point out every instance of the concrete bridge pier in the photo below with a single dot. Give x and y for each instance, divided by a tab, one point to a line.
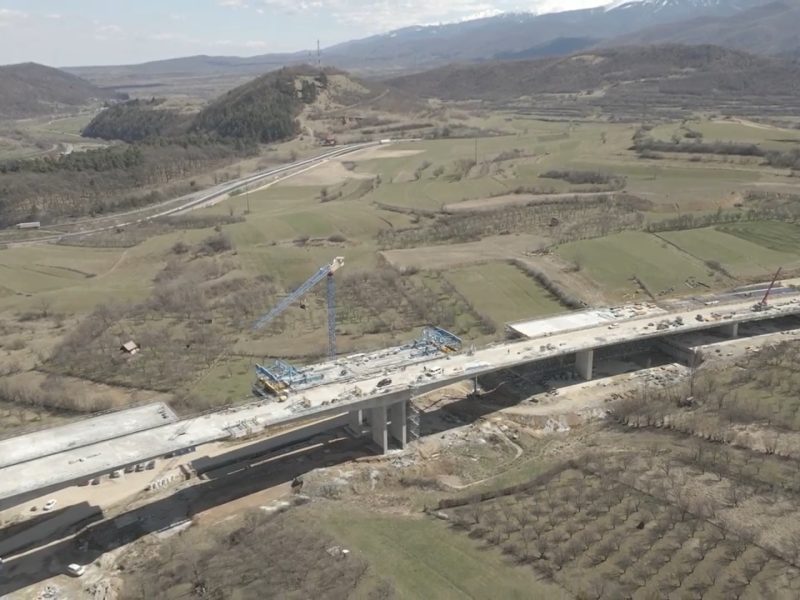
584	361
355	421
730	330
377	426
398	423
388	423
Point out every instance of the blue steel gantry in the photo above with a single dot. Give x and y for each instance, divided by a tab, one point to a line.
434	340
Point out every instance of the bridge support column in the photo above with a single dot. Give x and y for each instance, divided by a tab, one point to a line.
583	364
730	330
355	422
377	423
397	423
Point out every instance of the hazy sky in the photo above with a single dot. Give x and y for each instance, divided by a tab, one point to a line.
89	32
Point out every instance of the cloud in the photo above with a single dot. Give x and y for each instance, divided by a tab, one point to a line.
548	6
106	32
242	45
383	15
9	16
233	3
168	36
108	29
256	45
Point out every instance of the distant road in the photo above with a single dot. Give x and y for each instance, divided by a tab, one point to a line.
191	201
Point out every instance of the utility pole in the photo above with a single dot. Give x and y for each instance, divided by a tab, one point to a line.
476	150
319	55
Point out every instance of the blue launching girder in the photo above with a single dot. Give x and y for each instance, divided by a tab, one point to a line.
281	375
434	340
324	272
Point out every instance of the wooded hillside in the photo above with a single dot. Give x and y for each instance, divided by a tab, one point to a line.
136	120
263	110
30	89
669	69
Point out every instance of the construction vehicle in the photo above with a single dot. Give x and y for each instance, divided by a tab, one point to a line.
274	380
762	305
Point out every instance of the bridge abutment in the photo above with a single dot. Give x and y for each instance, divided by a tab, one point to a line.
584	362
680	352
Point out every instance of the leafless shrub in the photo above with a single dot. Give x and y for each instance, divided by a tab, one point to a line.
215	244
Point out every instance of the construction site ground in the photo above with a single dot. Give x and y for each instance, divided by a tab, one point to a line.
469	442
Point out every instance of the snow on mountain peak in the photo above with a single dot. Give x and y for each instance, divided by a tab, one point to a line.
663	4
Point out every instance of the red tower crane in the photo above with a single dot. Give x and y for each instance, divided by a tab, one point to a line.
763	304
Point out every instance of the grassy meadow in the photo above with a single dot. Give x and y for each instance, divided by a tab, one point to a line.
199	307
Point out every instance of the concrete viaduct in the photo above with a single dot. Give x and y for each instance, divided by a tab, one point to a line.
367	404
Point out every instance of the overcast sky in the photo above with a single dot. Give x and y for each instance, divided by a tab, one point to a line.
92	32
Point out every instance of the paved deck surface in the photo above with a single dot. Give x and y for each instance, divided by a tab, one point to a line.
83	433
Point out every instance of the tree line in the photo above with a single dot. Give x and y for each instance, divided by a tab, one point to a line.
100	159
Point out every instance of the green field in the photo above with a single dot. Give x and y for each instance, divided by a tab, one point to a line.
737	253
503	292
613	261
424	559
778	236
35	137
764	135
75	279
667	261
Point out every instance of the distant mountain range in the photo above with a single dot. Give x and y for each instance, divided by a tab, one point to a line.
460	60
665	70
30	89
765	29
743	24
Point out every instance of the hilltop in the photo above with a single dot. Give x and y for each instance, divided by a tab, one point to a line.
263	110
31	89
669	69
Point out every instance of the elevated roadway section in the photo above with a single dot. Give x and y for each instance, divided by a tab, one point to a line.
84	433
377	397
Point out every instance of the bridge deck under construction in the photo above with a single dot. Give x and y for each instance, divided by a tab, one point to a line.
367	389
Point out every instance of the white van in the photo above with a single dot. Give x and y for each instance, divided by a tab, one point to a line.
76	570
433	371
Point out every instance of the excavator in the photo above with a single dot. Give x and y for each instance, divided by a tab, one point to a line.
760	306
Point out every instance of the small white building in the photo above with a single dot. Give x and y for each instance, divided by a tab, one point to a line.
130	347
29	225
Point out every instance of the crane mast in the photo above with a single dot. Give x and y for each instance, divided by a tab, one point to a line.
324	272
763	304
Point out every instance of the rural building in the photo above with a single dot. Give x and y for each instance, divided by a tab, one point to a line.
130	347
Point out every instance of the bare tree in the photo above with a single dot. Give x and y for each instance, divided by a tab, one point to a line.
476	510
594	588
